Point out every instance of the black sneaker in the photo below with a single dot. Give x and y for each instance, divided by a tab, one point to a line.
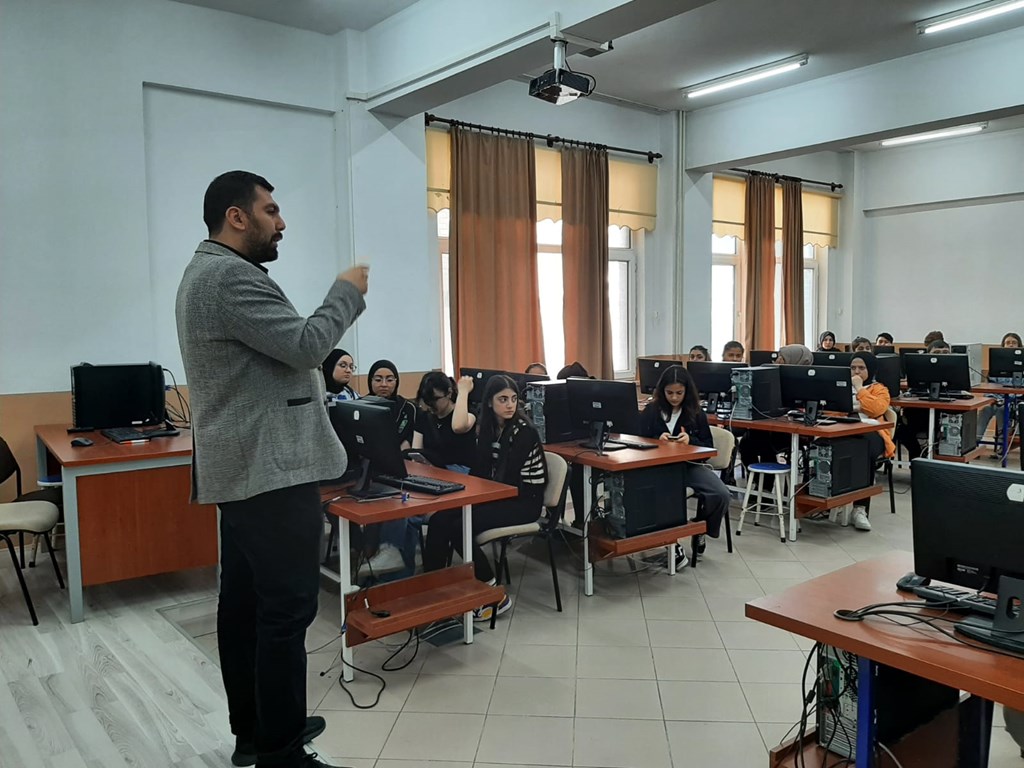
661	560
312	761
245	750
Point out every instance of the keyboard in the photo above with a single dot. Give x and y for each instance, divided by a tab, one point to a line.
956	599
628	444
420	484
947	395
127	434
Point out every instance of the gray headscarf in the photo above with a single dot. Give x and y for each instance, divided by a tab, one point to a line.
795	354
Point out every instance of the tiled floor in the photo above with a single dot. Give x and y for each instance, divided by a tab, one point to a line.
653	671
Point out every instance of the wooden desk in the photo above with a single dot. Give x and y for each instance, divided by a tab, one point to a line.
417	600
126	508
807	610
796	429
956	406
623	460
1013	396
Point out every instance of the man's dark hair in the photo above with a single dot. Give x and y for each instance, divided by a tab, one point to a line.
229	190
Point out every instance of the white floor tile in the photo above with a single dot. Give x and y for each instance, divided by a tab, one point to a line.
774	702
520	739
548	697
621	744
468	694
768	666
364	689
704	702
683	634
429	736
753	635
355	734
627	699
716	744
676	609
707	664
629	631
538	661
628	663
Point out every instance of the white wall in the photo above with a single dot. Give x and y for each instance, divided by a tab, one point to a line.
941	238
76	280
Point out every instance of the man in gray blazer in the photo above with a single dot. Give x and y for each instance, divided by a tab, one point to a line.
261	443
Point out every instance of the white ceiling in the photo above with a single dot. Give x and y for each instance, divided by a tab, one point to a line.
326	16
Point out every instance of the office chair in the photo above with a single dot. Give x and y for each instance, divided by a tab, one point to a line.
35	517
52	493
545	527
725	443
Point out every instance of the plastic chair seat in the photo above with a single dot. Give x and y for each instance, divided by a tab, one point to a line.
769	468
28	516
493	534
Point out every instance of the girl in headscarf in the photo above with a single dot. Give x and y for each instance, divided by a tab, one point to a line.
797	354
827	341
383	382
338	369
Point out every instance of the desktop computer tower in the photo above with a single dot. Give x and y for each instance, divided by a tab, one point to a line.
644	500
758	394
974	353
547	405
839	466
902	702
958	433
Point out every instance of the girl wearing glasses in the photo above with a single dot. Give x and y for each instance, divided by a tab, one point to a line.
338	370
443	433
383	382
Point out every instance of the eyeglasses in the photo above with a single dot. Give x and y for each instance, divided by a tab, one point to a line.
384	379
347	366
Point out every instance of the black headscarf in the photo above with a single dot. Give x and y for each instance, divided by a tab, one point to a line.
327	368
870	362
376	367
574	369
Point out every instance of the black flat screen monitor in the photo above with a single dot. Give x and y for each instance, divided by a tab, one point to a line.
1007	363
368	429
713	378
889	373
650	370
833	358
906	351
522	379
759	357
601	407
882	349
104	396
480	377
937	373
812	387
968	523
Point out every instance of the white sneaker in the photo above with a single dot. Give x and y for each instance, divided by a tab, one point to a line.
840	515
387	559
484	613
860	519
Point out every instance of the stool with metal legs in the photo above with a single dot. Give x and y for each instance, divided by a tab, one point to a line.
757	472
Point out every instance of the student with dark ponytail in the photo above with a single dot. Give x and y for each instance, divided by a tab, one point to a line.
443	433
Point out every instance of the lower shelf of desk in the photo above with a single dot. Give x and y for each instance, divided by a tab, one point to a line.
603	546
965	459
416	601
808	505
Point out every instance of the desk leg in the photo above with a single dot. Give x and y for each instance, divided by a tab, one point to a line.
72	544
588	567
975	732
467	556
865	712
794	478
931	434
345	585
1009	405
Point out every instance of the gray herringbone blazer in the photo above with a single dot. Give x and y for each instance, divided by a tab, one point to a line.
255	388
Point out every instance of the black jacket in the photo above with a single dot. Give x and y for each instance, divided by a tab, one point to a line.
653	424
517	441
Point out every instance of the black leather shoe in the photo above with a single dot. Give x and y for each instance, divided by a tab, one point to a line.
245	750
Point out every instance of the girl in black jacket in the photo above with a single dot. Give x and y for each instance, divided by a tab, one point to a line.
674	414
509	451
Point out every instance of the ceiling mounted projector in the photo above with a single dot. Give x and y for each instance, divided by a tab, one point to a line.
561	85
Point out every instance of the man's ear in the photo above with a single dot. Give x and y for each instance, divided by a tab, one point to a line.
236	218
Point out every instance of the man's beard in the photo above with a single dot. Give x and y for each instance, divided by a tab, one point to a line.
261	251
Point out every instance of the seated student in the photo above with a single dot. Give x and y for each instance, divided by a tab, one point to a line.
795	354
732	352
537	369
338	369
674	414
861	344
573	370
444	433
508	451
884	340
826	341
939	347
699	354
383	382
579	503
933	336
871	398
914	421
1010	341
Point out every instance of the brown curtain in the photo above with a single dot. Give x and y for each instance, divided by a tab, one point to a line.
759	236
585	314
792	263
492	267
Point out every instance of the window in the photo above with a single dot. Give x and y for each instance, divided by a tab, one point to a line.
622	294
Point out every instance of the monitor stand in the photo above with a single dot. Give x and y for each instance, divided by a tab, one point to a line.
365	489
599	434
811	412
1005	630
934	390
713	398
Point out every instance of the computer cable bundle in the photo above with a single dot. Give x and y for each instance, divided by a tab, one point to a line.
179	417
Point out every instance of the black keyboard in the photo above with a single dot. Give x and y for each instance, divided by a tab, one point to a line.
127	434
628	444
946	396
420	484
955	599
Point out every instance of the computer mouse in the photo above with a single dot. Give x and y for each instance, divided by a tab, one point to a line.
910	580
81	442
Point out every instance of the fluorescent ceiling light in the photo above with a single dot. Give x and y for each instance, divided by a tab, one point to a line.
970	15
932	135
747	76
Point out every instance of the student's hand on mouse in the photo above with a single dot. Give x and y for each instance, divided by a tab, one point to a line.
465	385
359	276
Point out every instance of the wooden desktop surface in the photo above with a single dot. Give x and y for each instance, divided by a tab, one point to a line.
974	404
477	491
997	389
807	610
667	452
104	450
796	426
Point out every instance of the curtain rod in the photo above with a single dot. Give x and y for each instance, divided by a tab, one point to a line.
548	138
834	185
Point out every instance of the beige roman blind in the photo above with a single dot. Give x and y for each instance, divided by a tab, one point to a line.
632	184
821	213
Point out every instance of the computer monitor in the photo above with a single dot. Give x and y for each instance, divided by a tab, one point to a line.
833	358
936	374
882	349
104	396
1007	363
815	386
480	377
759	357
713	380
650	370
601	407
889	373
909	349
522	379
369	429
